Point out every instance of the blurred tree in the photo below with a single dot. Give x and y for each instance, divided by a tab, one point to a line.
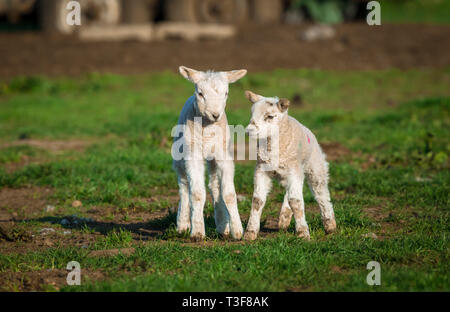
327	11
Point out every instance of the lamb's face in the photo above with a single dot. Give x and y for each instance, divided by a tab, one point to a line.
211	90
267	114
212	94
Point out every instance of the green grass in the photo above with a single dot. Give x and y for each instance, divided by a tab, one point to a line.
13	154
395	125
415	11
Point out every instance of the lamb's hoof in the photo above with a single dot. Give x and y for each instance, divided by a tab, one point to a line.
303	234
250	236
197	238
330	226
236	236
223	232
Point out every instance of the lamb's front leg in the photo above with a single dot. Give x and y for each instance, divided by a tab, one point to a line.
295	199
228	192
197	196
261	189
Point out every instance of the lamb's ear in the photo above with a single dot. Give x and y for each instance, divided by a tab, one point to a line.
253	97
191	74
235	75
283	105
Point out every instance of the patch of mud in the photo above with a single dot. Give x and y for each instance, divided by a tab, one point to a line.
171	199
40	241
48	149
369	163
112	252
388	223
24	202
355	47
25	160
335	151
143	226
42	280
28	204
54	231
375	213
52	146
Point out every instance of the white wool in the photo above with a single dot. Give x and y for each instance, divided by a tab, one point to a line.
206	110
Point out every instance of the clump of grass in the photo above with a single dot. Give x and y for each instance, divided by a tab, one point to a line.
115	239
171	233
16	153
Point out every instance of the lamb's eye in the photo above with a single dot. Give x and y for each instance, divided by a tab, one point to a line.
269	117
200	94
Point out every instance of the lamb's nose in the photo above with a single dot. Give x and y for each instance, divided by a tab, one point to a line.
216	116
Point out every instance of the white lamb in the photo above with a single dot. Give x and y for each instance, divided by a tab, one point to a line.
298	154
202	116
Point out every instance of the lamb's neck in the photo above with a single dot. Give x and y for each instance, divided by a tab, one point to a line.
275	147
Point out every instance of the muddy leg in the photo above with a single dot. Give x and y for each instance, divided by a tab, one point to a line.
262	187
285	214
317	174
295	199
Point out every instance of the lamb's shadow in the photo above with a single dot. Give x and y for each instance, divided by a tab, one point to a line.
158	228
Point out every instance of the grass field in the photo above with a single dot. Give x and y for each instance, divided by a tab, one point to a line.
104	140
415	11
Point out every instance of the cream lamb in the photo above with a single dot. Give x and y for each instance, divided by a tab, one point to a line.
296	154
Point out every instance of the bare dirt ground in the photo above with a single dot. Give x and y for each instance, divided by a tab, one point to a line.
257	48
52	146
41	280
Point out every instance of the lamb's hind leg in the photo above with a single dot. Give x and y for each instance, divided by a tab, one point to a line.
317	174
285	214
221	215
